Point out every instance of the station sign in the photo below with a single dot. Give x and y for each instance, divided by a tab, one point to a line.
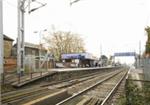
125	54
77	56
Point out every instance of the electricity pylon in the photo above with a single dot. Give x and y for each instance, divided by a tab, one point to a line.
20	40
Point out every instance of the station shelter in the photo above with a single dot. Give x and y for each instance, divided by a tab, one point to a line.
78	60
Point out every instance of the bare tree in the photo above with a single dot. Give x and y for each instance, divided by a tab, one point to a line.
60	42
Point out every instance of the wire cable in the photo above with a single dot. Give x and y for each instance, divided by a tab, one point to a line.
10	3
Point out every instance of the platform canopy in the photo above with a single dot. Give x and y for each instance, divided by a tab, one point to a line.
77	56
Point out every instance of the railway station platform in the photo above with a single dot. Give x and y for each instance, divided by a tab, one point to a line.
36	76
31	78
77	69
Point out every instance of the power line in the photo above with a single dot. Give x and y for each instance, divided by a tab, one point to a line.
9	3
72	2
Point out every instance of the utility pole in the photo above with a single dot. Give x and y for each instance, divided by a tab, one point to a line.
100	49
20	41
139	53
1	40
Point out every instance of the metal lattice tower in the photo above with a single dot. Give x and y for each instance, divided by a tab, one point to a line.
1	37
20	40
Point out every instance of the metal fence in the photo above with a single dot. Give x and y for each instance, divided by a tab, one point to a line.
36	65
146	68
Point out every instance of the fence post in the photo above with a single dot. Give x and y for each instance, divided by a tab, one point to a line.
19	78
3	78
46	65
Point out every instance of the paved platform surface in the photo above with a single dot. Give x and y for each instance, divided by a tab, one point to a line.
76	69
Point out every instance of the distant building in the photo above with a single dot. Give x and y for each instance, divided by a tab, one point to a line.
31	49
9	62
32	60
7	46
103	60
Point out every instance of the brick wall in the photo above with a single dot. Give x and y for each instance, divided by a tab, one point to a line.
10	64
7	48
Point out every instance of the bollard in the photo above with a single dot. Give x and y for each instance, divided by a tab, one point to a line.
31	75
41	73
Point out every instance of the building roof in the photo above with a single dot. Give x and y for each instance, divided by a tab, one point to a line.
7	38
31	45
78	56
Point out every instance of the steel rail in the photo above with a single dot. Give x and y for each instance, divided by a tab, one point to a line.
113	90
87	89
21	95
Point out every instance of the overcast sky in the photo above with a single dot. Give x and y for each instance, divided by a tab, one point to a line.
116	25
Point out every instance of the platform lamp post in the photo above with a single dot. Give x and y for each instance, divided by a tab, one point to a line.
40	44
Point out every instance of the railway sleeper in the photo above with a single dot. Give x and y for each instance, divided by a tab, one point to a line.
93	101
89	101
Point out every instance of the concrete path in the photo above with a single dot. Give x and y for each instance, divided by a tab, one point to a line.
135	75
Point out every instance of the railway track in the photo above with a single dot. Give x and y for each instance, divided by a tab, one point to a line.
27	95
20	95
81	86
10	98
22	90
97	93
68	87
116	93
